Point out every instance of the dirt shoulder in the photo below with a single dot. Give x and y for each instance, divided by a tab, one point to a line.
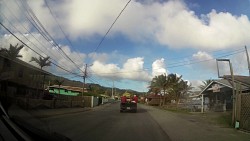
189	127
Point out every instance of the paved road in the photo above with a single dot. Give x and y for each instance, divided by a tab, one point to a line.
108	124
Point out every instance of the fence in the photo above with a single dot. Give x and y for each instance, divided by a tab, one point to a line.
244	111
77	101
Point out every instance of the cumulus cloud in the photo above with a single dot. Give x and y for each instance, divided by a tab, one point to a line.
158	67
132	69
169	23
209	64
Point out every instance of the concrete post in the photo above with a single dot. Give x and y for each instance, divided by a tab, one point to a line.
202	103
92	102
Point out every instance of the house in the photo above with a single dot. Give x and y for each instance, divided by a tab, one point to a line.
154	99
219	93
65	90
18	78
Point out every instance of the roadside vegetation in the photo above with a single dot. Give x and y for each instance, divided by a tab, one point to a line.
170	87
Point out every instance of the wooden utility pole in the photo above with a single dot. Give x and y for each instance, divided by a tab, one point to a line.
112	90
234	96
247	60
84	78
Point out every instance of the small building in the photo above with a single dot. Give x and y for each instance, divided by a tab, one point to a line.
219	93
154	99
18	78
65	90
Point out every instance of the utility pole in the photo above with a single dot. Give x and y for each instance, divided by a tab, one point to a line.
247	60
112	90
233	87
84	78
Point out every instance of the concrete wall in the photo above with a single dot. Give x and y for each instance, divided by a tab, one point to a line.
30	103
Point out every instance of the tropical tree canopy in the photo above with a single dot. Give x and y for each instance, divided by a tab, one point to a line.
159	83
13	52
171	84
42	62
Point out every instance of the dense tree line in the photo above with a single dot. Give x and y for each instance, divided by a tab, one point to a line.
170	87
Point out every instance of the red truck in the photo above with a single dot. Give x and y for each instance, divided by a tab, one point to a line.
128	102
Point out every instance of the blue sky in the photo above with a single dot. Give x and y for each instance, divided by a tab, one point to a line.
151	37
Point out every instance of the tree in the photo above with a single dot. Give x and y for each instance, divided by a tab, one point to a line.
59	82
171	85
13	52
10	54
42	61
205	84
158	84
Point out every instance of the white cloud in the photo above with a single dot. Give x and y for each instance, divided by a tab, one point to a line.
46	49
132	69
209	64
196	84
170	23
158	67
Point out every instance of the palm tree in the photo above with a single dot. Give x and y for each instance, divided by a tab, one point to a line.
13	52
181	89
10	54
160	83
205	84
59	82
175	85
42	62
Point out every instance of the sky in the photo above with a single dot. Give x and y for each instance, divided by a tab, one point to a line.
150	38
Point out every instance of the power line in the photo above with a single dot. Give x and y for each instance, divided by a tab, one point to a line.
174	65
33	49
25	37
27	31
111	26
34	24
181	61
51	38
60	26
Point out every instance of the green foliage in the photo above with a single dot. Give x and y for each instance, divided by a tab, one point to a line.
171	85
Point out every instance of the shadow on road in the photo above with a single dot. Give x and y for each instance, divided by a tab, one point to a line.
138	111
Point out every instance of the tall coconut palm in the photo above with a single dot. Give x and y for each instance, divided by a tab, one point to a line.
13	52
42	62
180	89
160	83
10	54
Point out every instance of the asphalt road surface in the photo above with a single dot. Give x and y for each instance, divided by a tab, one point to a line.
106	123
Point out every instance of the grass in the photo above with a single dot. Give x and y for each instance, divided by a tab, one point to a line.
175	110
224	120
218	118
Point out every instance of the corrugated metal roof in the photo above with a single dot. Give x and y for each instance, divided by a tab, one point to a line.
227	83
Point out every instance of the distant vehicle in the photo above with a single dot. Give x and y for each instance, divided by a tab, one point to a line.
128	102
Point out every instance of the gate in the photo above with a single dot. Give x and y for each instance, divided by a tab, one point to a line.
245	112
